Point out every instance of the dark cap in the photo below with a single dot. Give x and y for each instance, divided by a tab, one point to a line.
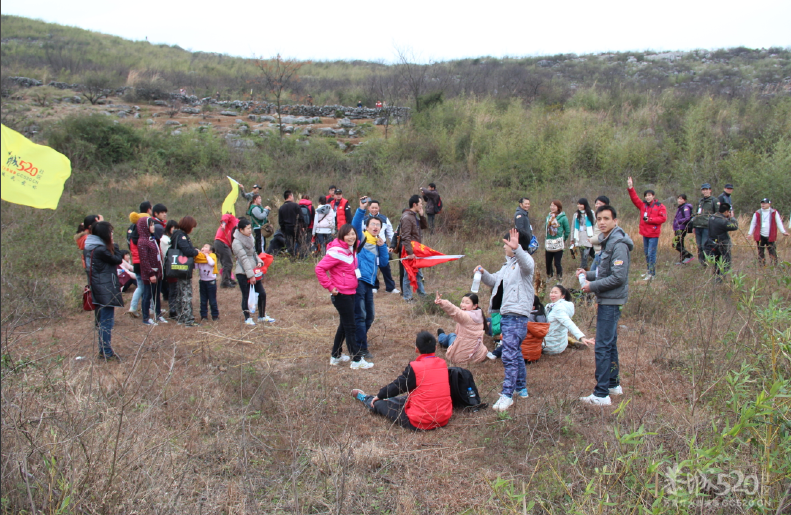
765	201
729	186
705	186
256	186
338	191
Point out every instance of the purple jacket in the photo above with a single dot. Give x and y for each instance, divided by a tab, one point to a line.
683	216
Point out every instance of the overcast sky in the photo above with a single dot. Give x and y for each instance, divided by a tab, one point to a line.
371	30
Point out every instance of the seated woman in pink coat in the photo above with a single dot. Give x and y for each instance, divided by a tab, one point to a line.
465	345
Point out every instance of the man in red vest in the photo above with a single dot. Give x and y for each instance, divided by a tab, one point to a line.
343	212
763	228
428	405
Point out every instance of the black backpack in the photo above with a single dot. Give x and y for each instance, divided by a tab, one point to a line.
439	205
463	391
305	212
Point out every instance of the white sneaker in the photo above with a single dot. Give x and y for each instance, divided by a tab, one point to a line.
374	290
503	403
596	401
490	355
396	291
162	320
266	318
249	321
616	391
362	364
335	361
345	358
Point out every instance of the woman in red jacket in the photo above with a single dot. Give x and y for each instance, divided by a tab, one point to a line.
652	216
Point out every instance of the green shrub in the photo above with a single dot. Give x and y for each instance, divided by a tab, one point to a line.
94	141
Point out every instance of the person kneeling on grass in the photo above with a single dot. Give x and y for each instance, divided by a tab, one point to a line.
428	405
465	345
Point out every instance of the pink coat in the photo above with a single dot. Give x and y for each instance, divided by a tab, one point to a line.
341	263
468	346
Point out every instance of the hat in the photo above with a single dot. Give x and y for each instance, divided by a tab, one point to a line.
729	186
705	186
338	191
256	186
765	201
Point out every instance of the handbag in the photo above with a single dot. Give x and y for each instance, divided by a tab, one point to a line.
495	324
87	295
177	265
553	245
252	300
267	230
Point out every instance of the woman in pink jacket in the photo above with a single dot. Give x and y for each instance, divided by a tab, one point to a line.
337	272
465	344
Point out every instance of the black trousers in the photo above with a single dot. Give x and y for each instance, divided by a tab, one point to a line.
387	274
678	244
764	243
392	409
346	328
260	241
245	287
225	256
554	257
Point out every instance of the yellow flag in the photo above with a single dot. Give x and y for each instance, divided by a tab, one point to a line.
230	200
32	175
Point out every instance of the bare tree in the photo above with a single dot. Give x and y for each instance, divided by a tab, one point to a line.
96	86
412	74
279	75
386	88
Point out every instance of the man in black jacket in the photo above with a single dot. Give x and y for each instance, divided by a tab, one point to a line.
522	223
288	216
707	206
718	245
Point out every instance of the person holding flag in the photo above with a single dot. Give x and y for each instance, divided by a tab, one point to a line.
412	223
512	298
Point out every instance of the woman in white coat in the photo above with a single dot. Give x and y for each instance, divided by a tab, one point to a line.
559	314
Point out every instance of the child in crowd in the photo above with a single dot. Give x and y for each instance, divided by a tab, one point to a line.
465	345
126	272
206	263
559	314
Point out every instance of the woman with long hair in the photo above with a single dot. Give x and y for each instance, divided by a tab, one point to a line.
337	273
181	294
465	344
101	264
583	228
556	229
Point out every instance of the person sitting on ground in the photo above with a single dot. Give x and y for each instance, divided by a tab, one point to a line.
83	230
126	272
559	314
465	344
428	404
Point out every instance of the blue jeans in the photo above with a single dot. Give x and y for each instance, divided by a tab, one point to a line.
151	291
363	313
596	261
649	247
137	294
406	288
606	349
387	274
446	339
701	236
105	318
514	329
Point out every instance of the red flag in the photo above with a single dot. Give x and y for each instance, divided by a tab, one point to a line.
267	259
424	257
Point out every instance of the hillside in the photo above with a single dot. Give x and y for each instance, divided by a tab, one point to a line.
47	51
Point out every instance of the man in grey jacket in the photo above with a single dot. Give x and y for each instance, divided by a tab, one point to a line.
522	222
610	283
512	297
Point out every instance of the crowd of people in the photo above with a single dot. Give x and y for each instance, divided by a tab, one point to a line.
355	245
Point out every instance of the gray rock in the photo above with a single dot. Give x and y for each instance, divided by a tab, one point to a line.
326	131
256	132
340	132
380	121
241	143
149	122
229	113
107	113
121	114
173	123
237	121
137	115
342	145
190	110
175	133
77	99
346	123
306	131
243	129
160	103
208	124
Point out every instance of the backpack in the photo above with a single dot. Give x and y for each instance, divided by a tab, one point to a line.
305	213
463	392
132	235
438	208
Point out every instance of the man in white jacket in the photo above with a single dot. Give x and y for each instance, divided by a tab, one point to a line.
765	224
323	225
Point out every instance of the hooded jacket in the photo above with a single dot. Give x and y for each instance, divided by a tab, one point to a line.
559	315
522	224
102	272
515	279
432	198
341	263
610	281
324	221
683	217
410	229
468	346
371	256
227	227
134	217
244	250
150	258
656	212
